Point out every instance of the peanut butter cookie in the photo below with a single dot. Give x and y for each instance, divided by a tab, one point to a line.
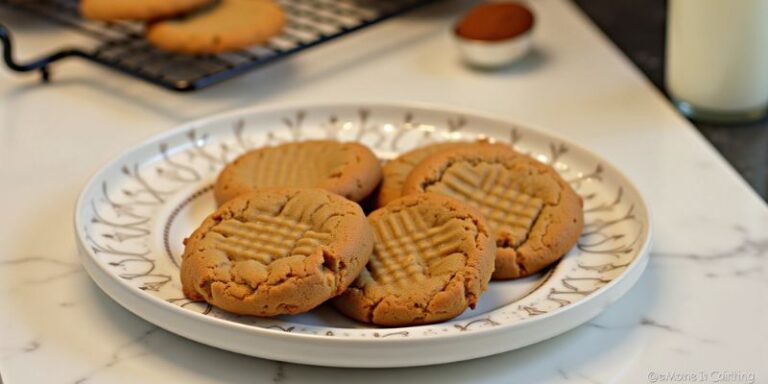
348	169
535	214
113	10
433	257
395	171
276	252
226	26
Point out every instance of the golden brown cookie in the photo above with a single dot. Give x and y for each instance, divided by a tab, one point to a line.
113	10
535	214
348	169
433	257
229	25
276	251
395	171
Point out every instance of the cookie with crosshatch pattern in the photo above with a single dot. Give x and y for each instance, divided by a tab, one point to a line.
348	169
395	171
536	216
276	251
432	258
113	10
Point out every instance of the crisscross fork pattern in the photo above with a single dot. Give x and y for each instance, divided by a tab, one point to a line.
406	246
268	238
490	189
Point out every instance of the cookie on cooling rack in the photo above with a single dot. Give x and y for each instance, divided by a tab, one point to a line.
536	216
348	169
114	10
433	257
226	26
276	251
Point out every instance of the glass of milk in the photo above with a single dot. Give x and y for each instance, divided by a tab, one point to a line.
717	58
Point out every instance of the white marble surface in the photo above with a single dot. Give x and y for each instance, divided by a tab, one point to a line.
700	307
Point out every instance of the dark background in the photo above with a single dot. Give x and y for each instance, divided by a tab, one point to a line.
638	28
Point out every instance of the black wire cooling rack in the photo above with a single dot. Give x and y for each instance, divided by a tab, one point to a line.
121	45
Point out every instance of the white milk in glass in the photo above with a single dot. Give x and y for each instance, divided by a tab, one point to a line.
717	58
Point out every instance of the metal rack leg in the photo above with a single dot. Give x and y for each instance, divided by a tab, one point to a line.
41	64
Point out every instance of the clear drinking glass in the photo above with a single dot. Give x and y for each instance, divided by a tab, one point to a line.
717	58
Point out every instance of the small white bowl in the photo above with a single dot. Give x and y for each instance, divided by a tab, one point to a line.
490	54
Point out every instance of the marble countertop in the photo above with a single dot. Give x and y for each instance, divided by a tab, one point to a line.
699	307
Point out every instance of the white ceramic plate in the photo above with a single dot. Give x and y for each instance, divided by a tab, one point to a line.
133	214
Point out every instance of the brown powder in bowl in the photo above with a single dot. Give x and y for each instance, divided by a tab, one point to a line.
495	21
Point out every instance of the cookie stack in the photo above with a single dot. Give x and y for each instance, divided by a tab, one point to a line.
290	233
195	26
